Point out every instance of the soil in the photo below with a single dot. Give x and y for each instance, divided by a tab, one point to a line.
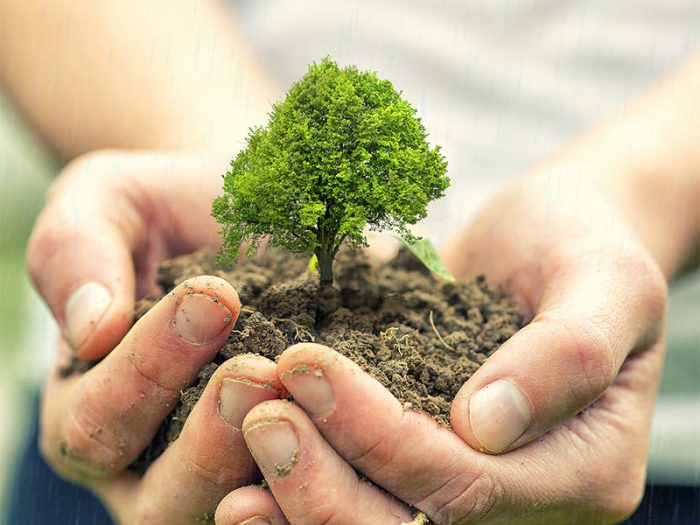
419	336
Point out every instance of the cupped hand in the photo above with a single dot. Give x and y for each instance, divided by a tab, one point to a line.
109	218
553	428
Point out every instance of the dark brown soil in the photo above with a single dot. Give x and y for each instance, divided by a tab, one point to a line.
420	337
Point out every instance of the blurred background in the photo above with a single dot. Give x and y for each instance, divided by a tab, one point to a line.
540	86
26	169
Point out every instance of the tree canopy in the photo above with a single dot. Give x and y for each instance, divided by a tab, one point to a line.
343	151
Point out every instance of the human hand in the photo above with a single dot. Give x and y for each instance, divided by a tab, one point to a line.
566	402
109	218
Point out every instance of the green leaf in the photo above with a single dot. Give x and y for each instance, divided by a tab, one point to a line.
342	152
313	263
425	251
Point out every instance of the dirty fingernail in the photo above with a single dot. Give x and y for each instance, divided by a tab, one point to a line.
499	414
274	445
255	520
200	318
239	395
84	309
310	389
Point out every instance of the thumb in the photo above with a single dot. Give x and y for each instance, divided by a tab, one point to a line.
80	259
109	218
593	311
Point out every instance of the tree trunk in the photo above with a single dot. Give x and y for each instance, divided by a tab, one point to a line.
325	266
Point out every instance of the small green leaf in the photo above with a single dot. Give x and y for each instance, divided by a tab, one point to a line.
313	263
425	251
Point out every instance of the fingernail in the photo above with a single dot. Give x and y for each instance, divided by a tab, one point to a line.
84	309
255	520
274	445
239	395
310	389
200	318
499	414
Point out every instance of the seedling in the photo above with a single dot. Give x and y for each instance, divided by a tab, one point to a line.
343	151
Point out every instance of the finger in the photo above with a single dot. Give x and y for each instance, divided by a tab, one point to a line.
210	457
404	451
591	468
103	420
310	481
108	220
579	473
79	257
249	506
592	314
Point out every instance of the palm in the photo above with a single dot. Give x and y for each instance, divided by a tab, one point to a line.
589	362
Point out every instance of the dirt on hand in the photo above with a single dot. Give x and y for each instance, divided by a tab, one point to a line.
420	337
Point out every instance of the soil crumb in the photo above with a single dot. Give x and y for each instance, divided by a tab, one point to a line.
419	336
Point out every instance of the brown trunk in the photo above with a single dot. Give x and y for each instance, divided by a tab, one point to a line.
325	267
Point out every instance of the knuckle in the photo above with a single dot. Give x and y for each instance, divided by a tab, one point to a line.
378	456
325	513
97	168
595	351
88	449
152	375
212	472
636	263
654	287
60	224
472	503
93	163
592	351
644	291
47	238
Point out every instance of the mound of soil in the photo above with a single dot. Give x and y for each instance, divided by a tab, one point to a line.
420	337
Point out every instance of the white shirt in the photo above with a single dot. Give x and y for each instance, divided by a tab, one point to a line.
499	84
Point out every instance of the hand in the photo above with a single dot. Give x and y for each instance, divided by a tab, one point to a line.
109	218
566	402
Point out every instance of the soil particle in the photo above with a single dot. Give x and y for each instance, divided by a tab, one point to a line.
420	337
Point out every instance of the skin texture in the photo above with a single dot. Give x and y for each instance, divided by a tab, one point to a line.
596	335
92	74
94	425
593	453
583	242
76	68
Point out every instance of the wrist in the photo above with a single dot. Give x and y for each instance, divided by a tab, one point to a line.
648	163
655	194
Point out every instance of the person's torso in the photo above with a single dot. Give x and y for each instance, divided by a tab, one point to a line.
499	84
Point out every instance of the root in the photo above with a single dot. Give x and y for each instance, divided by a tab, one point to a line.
301	333
432	324
400	343
419	519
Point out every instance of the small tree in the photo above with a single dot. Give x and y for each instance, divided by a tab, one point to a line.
341	152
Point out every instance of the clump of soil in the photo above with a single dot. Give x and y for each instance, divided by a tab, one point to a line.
420	337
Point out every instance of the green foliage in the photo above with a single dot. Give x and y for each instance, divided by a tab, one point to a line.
424	250
342	151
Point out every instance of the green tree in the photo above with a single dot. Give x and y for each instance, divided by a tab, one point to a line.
341	152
